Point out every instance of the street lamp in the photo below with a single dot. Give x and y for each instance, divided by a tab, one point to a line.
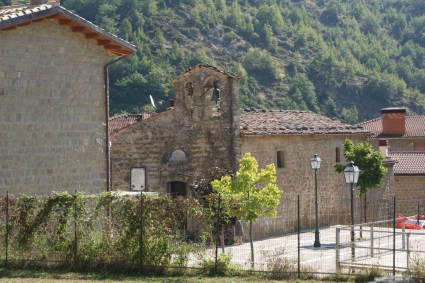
351	174
315	164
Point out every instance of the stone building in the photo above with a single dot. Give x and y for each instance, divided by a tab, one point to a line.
289	139
402	138
169	151
54	99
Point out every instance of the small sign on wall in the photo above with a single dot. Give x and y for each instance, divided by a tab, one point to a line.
138	179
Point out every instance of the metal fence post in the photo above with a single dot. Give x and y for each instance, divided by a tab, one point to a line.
75	232
408	252
394	224
337	251
141	251
372	247
299	242
417	221
7	228
217	236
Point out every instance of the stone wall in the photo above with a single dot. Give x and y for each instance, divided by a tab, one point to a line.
52	110
402	144
380	201
297	178
194	126
409	193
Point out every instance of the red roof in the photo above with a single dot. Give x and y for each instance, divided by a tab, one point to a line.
292	122
120	122
12	17
409	162
415	127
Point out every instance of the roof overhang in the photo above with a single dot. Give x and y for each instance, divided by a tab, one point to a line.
32	14
301	135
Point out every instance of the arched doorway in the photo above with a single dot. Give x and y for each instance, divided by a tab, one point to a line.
177	189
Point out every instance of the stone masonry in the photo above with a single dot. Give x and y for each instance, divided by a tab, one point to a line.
52	110
297	178
410	193
202	135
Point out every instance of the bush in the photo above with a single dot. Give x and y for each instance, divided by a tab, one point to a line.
261	64
280	267
103	232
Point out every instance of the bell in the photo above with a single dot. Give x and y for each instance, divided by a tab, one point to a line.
216	94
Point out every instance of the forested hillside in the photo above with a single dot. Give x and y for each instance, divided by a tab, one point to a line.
342	58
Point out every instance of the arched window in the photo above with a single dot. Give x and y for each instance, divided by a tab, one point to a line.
188	88
177	156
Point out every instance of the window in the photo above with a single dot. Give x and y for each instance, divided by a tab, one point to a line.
280	159
189	92
337	154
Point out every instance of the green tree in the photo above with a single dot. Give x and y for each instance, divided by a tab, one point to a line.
386	87
370	25
221	6
126	29
369	162
267	37
261	64
251	193
350	115
302	91
270	14
330	17
107	17
234	17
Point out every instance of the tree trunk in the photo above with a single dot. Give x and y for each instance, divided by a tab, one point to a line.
365	208
251	243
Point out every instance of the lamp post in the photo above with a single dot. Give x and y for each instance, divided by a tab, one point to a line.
315	164
351	174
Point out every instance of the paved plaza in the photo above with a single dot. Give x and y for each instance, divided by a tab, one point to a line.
368	253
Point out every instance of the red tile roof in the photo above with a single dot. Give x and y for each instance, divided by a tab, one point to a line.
120	122
415	127
292	122
12	17
409	162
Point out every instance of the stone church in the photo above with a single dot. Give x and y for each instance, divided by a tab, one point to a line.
204	128
171	150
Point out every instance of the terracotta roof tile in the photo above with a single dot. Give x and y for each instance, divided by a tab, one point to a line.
292	122
9	12
120	122
415	127
409	162
13	16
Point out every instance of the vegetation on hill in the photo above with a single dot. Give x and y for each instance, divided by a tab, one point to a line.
345	59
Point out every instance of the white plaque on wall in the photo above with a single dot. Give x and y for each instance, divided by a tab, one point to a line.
138	179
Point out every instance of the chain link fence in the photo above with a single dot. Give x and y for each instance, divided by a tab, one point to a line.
158	234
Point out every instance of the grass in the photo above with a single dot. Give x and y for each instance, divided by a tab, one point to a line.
24	276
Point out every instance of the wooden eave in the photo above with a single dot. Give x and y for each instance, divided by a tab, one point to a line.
113	45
